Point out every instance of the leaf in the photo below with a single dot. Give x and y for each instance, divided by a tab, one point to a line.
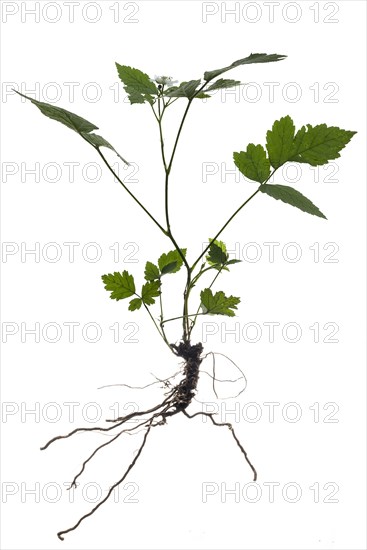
292	197
217	253
171	262
223	83
233	262
218	303
202	95
150	291
74	122
252	58
135	303
151	272
279	141
313	145
71	120
138	85
99	141
185	89
253	163
121	285
319	144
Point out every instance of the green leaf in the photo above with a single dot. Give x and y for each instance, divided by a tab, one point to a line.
292	197
233	262
217	253
223	83
121	285
150	291
74	122
135	303
319	144
202	95
138	85
252	58
171	262
313	145
253	163
218	303
279	141
99	141
185	89
151	272
71	120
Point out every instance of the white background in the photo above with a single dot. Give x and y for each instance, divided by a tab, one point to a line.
324	43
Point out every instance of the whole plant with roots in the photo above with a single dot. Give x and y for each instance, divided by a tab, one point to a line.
314	145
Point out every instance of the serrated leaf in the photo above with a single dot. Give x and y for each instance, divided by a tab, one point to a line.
202	95
80	125
137	84
136	80
252	58
151	272
234	262
99	141
217	253
135	303
171	262
291	196
219	303
253	163
313	145
319	144
185	89
279	141
121	285
222	83
69	119
150	291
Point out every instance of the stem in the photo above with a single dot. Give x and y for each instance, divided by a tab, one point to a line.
130	193
181	317
159	118
230	219
167	168
210	286
162	333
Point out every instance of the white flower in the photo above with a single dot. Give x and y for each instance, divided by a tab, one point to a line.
165	80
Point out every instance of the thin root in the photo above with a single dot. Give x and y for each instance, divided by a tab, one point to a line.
230	427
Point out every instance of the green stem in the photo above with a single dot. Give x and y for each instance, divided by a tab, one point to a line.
185	316
181	317
157	327
210	286
230	219
130	193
